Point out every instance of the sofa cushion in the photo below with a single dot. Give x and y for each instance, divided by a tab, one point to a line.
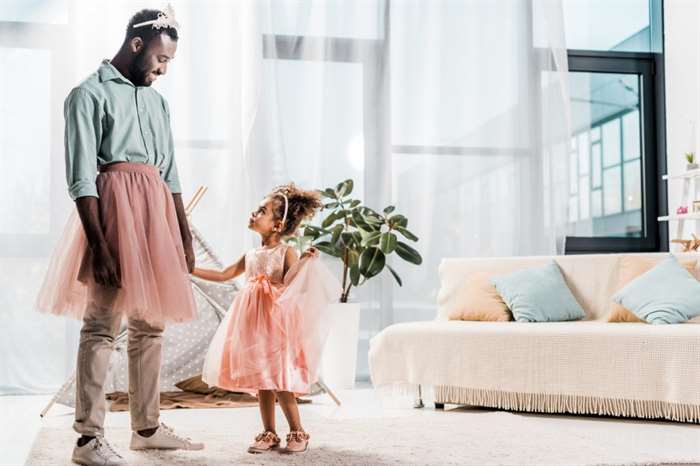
666	294
592	278
629	268
480	300
538	294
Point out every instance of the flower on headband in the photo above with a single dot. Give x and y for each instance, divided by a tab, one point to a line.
165	19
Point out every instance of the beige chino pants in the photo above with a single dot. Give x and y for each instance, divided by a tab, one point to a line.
100	328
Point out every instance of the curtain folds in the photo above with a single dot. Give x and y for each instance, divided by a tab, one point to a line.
456	112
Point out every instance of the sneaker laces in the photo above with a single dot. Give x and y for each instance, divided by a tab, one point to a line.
171	432
103	446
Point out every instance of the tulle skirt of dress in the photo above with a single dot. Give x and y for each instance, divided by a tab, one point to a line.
141	229
272	337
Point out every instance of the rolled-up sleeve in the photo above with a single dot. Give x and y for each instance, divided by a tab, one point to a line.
83	133
170	175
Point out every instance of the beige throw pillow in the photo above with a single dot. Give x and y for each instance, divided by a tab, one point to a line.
482	302
631	267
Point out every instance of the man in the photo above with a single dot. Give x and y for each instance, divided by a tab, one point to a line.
130	253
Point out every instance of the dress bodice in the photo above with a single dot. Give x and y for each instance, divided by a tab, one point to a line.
266	261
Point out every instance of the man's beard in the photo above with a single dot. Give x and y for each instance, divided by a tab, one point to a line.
137	70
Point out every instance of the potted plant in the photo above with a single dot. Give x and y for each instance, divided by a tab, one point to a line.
690	157
361	239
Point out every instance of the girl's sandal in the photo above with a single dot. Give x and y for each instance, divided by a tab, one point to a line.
297	442
264	442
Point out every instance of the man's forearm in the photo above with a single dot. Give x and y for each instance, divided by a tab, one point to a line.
89	212
182	219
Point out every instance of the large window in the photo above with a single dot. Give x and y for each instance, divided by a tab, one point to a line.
617	106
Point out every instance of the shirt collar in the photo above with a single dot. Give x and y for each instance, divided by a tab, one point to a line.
108	72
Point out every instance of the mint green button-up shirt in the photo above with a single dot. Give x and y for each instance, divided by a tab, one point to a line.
109	120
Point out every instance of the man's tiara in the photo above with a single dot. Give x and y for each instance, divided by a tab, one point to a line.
165	19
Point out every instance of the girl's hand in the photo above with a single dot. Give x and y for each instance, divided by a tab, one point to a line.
311	252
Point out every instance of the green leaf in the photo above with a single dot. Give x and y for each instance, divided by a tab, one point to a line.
389	209
406	233
360	221
325	246
350	186
312	232
372	262
371	239
374	220
369	213
337	230
344	188
396	275
354	203
355	275
331	205
353	258
328	221
407	253
398	220
387	242
329	193
348	239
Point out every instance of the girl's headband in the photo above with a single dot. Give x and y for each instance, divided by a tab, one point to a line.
286	208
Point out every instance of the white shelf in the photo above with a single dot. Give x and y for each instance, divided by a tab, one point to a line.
689	174
691	216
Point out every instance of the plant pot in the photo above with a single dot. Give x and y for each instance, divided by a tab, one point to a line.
692	166
339	363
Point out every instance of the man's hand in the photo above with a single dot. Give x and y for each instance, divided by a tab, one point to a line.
184	231
189	255
106	269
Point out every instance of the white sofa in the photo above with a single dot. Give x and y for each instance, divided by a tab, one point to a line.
585	367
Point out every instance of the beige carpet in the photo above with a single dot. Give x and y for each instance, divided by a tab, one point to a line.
402	437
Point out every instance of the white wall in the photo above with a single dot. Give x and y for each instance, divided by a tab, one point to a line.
682	63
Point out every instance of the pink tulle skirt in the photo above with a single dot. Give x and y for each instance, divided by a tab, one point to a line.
272	337
142	232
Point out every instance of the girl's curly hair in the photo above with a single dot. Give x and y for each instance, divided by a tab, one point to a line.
303	204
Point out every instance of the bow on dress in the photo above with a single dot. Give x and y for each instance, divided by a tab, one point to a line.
263	281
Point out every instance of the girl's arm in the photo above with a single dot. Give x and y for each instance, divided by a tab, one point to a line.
232	271
292	262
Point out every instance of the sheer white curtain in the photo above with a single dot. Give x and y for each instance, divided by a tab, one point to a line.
452	111
456	112
45	49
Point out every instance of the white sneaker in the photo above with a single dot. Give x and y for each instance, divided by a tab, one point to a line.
163	439
97	452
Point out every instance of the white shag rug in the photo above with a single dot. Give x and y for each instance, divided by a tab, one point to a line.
461	436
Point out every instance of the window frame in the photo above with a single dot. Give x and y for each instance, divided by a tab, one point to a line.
652	118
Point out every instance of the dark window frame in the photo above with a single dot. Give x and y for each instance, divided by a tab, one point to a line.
653	129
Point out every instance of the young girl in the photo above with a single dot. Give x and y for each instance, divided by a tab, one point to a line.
271	339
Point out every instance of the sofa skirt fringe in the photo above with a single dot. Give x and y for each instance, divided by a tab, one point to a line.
574	404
